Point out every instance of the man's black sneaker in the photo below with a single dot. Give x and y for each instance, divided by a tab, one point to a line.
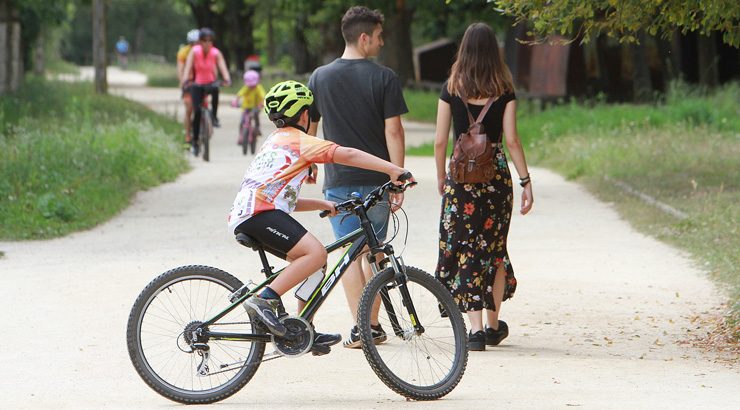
216	123
196	149
494	337
322	341
265	310
354	341
477	341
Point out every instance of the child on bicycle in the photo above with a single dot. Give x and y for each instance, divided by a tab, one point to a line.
251	95
270	191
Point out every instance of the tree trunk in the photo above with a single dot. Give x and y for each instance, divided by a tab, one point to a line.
302	54
239	39
99	52
11	68
271	60
669	58
38	53
397	53
642	88
708	60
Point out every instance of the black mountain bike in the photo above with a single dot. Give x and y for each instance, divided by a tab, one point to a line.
191	340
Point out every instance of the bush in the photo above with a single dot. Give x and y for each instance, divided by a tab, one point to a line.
70	159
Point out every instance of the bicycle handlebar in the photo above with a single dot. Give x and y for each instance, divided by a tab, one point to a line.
374	196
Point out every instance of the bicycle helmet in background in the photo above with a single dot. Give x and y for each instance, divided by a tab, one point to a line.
251	78
286	100
193	35
206	32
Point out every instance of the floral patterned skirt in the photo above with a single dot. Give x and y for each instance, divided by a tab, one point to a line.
472	245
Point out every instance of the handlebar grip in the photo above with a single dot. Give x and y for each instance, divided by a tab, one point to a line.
405	176
324	214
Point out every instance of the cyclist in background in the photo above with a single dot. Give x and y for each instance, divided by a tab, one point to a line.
251	96
182	56
122	52
204	58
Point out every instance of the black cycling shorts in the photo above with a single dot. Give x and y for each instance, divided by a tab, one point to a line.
276	231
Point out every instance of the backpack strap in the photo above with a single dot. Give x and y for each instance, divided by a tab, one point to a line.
483	112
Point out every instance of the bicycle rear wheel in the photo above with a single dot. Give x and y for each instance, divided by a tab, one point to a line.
161	320
419	366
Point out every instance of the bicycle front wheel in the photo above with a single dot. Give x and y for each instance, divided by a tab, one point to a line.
206	126
160	325
420	365
245	138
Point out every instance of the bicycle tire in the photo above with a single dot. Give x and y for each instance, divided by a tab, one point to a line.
382	367
173	282
207	131
244	136
253	144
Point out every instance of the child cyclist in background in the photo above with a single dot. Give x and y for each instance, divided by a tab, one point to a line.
270	191
251	96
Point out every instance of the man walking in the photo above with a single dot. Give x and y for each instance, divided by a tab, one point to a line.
361	103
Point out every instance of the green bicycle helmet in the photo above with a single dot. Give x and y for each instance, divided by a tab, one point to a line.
285	100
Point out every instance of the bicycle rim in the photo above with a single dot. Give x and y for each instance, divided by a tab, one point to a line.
422	366
162	344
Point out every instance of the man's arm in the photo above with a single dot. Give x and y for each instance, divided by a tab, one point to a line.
395	139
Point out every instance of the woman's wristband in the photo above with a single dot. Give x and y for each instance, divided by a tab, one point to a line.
524	181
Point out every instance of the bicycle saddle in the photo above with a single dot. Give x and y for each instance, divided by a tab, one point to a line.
248	241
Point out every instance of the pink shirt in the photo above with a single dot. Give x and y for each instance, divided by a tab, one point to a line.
205	65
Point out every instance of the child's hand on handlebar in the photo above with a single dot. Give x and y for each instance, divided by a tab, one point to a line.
402	176
329	209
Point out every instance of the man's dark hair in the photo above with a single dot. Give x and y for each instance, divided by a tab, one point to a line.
358	20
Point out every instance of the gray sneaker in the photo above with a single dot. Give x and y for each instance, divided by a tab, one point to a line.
265	310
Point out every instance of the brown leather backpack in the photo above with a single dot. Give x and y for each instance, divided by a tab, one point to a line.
473	157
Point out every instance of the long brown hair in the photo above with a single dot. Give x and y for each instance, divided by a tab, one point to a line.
479	71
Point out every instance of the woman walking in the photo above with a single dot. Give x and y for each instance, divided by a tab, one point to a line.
473	261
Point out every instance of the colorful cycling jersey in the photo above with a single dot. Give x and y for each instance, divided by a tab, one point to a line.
251	97
205	65
275	176
182	56
182	53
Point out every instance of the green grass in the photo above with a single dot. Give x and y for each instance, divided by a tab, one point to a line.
158	74
422	105
684	151
59	66
71	159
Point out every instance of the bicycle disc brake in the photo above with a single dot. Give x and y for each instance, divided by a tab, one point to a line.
299	338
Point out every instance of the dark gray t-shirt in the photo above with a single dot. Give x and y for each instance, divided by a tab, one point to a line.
354	98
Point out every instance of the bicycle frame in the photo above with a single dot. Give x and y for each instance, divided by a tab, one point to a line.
356	241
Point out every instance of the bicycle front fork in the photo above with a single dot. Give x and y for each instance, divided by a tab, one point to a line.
400	281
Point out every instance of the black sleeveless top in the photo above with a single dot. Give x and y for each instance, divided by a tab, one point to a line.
493	121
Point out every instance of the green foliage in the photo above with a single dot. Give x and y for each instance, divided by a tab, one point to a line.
422	105
622	19
151	27
70	159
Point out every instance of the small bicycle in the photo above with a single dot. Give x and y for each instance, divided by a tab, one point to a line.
191	340
249	131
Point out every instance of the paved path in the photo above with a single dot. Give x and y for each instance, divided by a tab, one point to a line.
594	324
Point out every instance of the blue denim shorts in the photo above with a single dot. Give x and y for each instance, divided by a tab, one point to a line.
344	225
